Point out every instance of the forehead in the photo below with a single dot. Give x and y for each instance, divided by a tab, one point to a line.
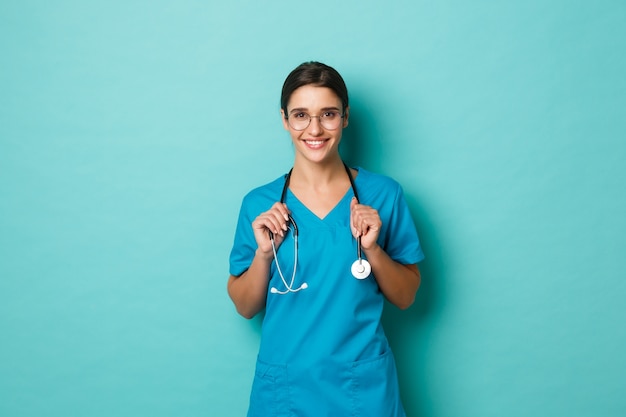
312	97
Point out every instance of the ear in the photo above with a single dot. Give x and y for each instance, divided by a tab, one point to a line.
282	116
346	116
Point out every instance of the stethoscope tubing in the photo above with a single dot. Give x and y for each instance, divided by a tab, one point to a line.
360	269
289	286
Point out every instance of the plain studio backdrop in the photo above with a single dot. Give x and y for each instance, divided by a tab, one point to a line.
130	131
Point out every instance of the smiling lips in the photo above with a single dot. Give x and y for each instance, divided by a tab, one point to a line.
315	143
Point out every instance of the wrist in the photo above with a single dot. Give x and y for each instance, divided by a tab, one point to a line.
373	250
266	256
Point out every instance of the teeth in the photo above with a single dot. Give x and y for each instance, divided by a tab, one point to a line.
314	142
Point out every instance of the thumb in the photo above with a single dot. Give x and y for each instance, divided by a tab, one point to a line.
353	203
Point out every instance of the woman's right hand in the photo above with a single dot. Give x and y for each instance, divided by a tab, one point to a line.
274	220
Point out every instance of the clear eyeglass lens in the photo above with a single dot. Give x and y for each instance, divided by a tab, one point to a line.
329	120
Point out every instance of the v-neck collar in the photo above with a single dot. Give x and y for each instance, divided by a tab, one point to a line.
352	190
336	212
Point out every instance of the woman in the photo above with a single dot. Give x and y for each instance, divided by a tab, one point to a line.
323	350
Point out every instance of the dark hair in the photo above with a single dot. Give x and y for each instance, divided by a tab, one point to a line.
317	74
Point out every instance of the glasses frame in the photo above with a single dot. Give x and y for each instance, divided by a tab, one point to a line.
319	118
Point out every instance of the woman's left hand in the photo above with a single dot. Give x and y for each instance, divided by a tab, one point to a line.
364	222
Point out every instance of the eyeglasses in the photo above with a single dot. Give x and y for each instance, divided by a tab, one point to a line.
330	120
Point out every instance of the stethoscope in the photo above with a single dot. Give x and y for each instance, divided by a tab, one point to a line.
360	269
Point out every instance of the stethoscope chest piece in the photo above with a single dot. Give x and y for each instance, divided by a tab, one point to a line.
361	269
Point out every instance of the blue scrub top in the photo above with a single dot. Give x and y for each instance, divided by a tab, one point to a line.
323	349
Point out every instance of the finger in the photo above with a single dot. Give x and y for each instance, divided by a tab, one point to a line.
371	222
282	209
279	216
270	221
279	223
366	220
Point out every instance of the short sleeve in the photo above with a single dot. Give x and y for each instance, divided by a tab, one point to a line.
244	245
401	241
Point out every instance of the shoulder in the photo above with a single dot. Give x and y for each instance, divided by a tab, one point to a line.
264	195
374	183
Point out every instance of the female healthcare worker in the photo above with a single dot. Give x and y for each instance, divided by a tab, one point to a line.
303	250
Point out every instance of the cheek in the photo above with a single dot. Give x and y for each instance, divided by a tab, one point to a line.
293	134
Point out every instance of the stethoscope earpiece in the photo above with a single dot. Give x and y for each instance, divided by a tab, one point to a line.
275	290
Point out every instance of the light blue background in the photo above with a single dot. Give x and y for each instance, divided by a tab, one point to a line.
130	131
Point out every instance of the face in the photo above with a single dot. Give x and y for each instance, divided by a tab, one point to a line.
315	143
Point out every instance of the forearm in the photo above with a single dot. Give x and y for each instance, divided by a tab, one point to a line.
249	290
399	283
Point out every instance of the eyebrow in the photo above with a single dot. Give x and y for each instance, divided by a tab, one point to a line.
304	109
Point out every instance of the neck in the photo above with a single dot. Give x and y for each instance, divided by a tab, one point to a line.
315	174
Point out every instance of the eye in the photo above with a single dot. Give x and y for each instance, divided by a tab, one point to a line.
330	115
300	115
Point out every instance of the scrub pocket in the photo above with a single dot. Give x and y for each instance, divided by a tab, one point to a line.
270	391
375	389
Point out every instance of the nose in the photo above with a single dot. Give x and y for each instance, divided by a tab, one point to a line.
315	126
